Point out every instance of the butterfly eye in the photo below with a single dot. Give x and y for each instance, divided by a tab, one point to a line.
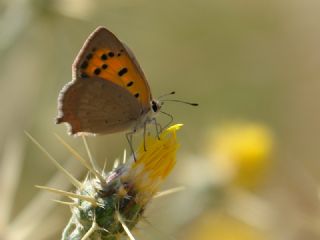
154	106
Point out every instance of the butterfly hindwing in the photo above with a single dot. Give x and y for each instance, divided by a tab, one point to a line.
97	106
104	56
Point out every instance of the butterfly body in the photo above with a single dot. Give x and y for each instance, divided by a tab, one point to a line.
109	92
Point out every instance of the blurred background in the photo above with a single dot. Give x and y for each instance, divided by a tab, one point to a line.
249	153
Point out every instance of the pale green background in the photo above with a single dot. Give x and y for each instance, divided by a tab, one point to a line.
240	59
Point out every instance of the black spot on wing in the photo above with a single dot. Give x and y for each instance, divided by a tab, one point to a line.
89	56
84	75
84	65
129	84
97	71
104	56
122	71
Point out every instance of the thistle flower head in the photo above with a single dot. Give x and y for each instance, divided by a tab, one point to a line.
108	205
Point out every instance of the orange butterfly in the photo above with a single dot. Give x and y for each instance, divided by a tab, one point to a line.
108	92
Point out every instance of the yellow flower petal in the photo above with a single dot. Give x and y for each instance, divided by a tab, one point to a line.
155	164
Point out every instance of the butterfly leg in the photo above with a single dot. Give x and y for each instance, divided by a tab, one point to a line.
156	124
171	119
144	136
129	136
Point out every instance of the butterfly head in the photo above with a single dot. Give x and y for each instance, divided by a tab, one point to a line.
156	105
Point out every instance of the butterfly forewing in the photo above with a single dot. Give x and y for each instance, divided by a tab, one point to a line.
104	56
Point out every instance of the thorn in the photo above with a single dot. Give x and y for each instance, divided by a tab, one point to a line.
104	166
93	164
126	229
70	204
124	156
157	229
69	194
80	159
71	178
93	228
169	191
116	163
87	177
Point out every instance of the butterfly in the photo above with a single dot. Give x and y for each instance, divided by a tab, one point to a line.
109	92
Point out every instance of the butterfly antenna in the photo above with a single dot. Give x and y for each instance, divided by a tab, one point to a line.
175	100
167	94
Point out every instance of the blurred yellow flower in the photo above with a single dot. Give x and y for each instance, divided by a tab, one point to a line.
242	151
213	225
